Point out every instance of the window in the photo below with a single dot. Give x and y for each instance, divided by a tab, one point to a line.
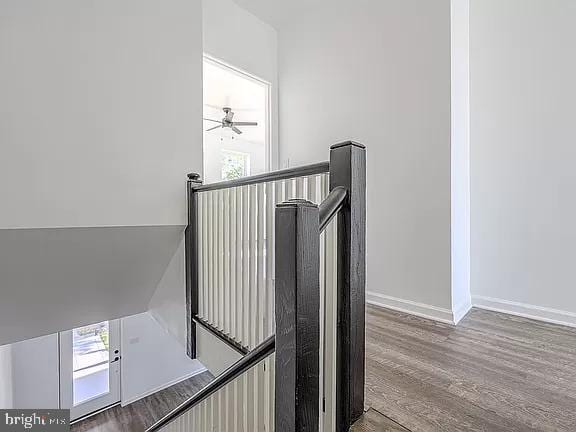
232	151
235	165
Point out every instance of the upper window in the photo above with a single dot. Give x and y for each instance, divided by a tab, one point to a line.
236	123
235	165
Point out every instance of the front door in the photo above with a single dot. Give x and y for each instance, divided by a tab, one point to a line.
90	368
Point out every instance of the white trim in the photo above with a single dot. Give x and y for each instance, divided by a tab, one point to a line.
163	386
539	313
241	72
435	313
419	309
461	311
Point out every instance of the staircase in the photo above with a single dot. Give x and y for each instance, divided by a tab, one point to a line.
276	272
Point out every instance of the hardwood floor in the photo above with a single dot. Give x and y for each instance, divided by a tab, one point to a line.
493	372
138	416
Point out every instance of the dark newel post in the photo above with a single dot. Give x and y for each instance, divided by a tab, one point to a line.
297	317
191	244
348	169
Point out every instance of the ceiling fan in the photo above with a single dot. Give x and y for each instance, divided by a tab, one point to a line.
228	122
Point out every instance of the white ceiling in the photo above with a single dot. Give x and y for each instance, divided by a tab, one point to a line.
277	12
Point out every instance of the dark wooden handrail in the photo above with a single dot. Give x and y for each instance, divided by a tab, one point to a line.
248	361
301	171
331	205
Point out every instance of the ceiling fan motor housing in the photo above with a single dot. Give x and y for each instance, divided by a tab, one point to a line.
228	121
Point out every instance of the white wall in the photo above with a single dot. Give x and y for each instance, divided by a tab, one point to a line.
238	38
168	304
100	121
100	115
151	358
6	390
213	353
378	72
523	156
460	160
35	364
57	279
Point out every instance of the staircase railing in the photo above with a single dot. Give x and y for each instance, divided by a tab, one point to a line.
288	247
231	243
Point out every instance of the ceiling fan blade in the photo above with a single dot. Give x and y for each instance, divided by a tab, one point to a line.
245	124
212	128
235	129
216	121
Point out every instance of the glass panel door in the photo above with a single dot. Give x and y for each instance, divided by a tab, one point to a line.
90	368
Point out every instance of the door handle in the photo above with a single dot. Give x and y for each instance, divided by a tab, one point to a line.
115	359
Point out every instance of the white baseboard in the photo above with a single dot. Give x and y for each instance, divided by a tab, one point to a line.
163	386
461	311
410	307
539	313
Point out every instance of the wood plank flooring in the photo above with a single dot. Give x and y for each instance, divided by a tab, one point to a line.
141	414
491	373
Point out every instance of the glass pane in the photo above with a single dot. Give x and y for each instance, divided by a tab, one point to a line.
90	362
235	165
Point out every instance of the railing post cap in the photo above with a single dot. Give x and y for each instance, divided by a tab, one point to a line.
296	202
195	178
348	144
